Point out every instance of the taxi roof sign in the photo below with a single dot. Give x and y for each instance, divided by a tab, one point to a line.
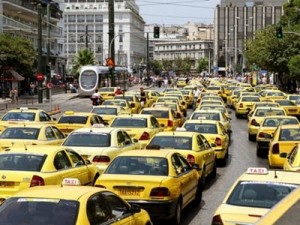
71	182
257	170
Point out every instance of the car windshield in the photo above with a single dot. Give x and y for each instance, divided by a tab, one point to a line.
213	88
286	103
275	94
206	116
206	102
290	134
105	111
250	99
129	122
128	98
259	194
201	128
21	162
210	107
20	133
119	103
269	112
139	165
174	142
294	97
19	116
28	211
89	139
106	89
157	113
73	119
274	122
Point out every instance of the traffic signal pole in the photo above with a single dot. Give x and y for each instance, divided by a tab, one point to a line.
40	91
111	33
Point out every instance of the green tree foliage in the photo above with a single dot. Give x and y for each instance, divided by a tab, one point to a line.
18	53
156	66
202	64
182	65
84	57
294	67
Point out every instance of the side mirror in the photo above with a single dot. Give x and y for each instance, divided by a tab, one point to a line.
213	145
283	155
135	140
54	118
135	208
229	131
132	105
196	166
178	115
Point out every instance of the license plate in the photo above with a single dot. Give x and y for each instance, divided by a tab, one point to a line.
129	192
6	184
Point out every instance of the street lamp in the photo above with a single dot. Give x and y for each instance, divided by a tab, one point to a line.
110	44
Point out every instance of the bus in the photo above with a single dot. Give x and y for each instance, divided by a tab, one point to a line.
95	77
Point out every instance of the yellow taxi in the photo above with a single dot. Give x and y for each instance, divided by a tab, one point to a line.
292	159
258	115
253	194
271	94
149	101
286	211
210	102
215	89
212	115
119	102
181	82
284	139
109	92
182	102
100	145
261	104
174	100
108	112
138	126
266	131
154	95
213	98
133	100
290	107
188	97
202	94
193	146
166	117
215	134
174	106
30	134
71	120
70	204
220	108
25	114
293	97
231	97
29	166
242	93
243	105
161	182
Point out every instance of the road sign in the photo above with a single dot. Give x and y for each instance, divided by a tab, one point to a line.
39	77
49	85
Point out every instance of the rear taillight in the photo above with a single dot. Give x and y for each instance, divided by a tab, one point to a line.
101	159
170	123
183	103
218	142
37	181
191	159
275	149
160	192
254	123
217	220
241	105
261	135
145	136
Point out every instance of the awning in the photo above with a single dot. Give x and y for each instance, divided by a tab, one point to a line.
12	75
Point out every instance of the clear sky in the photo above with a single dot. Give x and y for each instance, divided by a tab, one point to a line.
175	12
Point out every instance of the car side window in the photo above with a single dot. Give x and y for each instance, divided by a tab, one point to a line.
205	142
49	134
177	164
98	210
76	158
58	133
200	143
44	117
154	122
61	161
127	139
185	165
94	120
118	207
121	138
293	155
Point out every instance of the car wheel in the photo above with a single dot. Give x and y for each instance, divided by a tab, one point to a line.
237	115
251	137
214	172
177	216
258	153
198	195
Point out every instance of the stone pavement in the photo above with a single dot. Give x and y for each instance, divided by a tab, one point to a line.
52	107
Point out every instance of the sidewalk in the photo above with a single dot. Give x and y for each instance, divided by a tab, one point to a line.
57	100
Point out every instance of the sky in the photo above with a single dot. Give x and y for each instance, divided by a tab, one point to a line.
175	12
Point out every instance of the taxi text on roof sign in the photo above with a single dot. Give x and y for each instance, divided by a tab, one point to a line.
257	170
71	182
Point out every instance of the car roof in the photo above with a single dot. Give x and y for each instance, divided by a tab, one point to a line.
135	116
156	108
150	153
95	130
35	149
73	113
176	133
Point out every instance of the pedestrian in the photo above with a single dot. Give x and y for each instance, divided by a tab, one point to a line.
32	87
143	97
16	96
12	95
196	93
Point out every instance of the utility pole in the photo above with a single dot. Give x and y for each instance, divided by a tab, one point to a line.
148	64
111	33
86	37
48	51
40	91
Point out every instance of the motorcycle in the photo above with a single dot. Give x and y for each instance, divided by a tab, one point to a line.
96	100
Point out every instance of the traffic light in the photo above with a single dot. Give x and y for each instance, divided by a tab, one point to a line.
156	32
279	33
48	71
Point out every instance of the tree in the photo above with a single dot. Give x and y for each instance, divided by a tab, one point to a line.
202	64
84	57
294	67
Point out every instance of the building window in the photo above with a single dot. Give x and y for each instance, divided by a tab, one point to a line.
80	19
99	18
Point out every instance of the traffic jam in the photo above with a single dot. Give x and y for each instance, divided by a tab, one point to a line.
146	155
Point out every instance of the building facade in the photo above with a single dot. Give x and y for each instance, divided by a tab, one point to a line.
86	25
235	21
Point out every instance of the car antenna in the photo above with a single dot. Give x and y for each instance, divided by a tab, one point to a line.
275	174
25	147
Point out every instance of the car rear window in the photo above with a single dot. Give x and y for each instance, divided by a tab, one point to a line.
19	116
139	165
128	98
105	111
20	133
21	162
201	128
173	142
129	122
206	116
157	113
80	139
259	194
73	119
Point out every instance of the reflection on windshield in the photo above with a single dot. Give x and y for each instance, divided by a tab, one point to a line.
88	79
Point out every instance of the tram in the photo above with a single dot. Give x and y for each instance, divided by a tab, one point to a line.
95	77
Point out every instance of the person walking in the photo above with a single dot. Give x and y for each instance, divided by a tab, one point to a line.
196	93
16	96
12	95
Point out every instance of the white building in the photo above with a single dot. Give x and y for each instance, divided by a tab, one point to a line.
87	25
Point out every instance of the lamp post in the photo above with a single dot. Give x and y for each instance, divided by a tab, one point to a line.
40	91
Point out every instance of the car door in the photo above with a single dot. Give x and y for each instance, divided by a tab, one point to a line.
51	137
209	154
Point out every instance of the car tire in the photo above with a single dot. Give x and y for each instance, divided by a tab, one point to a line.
251	137
198	195
237	116
214	172
258	153
177	215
